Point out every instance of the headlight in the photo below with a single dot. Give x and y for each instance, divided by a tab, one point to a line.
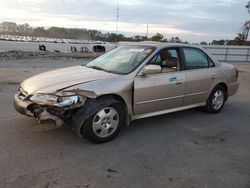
53	100
43	98
67	101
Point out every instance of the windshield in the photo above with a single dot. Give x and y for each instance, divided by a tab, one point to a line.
122	60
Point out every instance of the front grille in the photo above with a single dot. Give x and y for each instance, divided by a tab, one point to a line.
22	94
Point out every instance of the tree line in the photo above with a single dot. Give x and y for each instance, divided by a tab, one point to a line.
11	28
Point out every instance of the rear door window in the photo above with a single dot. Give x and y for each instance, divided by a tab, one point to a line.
195	59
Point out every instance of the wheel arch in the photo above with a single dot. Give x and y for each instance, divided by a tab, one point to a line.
209	106
223	84
90	107
116	97
225	87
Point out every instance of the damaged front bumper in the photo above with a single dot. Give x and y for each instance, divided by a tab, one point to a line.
21	106
59	115
73	115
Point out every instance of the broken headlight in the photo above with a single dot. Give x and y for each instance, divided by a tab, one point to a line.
53	100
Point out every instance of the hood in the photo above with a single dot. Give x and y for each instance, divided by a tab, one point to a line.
50	82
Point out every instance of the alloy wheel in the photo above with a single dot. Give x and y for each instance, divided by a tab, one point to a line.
105	122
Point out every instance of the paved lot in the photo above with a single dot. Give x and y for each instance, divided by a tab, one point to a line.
184	149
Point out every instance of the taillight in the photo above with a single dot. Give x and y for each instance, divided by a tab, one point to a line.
237	73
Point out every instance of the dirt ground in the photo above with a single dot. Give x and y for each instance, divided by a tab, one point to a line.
188	149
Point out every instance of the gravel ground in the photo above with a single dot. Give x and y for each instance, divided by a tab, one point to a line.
186	149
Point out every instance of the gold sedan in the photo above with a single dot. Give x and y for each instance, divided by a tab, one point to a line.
127	83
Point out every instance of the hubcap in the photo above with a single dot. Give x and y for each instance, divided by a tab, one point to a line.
218	99
105	122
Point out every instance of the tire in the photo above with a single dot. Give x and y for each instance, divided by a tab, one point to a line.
105	124
216	100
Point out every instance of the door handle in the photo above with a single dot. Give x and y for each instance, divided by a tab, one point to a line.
179	81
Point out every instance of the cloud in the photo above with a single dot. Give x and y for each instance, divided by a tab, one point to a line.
192	19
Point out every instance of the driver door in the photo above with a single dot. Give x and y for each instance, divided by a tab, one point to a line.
161	91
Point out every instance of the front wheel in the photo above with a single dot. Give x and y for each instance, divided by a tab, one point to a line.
105	124
216	100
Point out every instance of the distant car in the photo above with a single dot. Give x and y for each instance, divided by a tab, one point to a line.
127	83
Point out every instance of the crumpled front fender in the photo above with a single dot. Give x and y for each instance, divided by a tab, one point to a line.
90	107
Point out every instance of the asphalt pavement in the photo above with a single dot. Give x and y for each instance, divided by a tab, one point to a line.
187	149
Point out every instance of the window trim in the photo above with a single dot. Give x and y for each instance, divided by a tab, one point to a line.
211	61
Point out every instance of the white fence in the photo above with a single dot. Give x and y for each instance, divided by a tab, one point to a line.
230	54
34	46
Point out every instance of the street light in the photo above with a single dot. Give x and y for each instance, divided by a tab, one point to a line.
117	20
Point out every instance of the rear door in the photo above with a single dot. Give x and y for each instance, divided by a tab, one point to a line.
200	74
161	91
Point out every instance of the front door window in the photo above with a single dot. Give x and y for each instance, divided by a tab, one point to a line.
168	59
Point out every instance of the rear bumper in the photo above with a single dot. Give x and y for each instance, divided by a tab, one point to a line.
233	88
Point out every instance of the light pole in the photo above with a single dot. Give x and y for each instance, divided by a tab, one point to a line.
147	33
248	7
246	26
117	20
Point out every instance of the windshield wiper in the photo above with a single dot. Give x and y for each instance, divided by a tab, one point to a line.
102	69
97	68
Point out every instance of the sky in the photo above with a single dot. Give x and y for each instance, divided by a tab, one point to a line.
191	20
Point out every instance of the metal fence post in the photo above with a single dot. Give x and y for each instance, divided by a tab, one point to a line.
248	50
226	54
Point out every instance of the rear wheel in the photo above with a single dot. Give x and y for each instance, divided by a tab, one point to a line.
216	99
105	124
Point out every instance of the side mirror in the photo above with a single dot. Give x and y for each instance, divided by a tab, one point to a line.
151	69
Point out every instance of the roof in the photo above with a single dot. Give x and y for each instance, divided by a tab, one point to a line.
161	45
157	44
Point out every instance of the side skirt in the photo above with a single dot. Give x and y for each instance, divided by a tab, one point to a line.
168	111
